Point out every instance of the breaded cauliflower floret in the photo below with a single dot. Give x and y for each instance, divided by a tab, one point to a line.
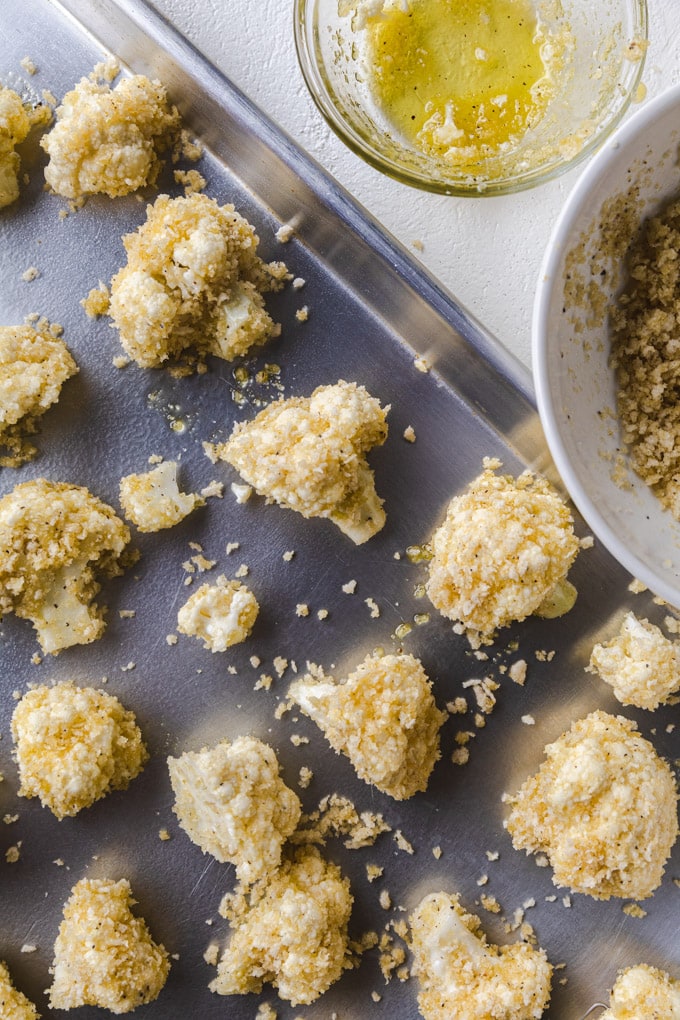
104	955
602	807
461	975
54	539
16	120
383	717
231	801
640	664
644	991
193	284
221	614
33	368
13	1004
109	141
308	454
503	552
152	500
74	745
291	932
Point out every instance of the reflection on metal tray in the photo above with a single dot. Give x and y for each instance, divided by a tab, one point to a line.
372	311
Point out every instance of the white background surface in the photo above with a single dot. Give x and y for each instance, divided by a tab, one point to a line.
486	251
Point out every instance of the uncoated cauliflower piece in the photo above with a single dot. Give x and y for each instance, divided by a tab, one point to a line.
33	368
104	955
16	120
383	717
602	807
231	801
461	975
503	552
193	284
644	991
640	664
291	932
221	614
109	141
74	745
308	454
152	500
13	1004
54	539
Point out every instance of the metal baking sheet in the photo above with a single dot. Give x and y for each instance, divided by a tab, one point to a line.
372	311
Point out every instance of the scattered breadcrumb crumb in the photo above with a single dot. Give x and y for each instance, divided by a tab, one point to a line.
241	492
302	609
284	233
374	607
302	314
350	587
518	672
409	434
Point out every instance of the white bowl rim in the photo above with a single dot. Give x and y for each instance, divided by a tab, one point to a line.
656	108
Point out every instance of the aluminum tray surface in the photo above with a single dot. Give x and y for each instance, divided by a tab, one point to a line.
371	313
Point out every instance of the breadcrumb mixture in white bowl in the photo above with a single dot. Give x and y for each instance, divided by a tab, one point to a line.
606	345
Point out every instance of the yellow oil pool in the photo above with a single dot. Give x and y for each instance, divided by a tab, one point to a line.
460	79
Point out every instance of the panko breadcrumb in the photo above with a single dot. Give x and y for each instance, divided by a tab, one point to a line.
13	1004
74	745
221	614
383	717
104	955
503	552
152	500
16	120
193	284
291	932
461	975
644	991
231	802
640	664
54	539
308	454
34	365
110	141
602	807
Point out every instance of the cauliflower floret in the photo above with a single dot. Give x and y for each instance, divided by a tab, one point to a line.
644	984
602	807
221	614
308	454
291	932
503	552
193	281
13	1004
74	745
640	664
461	975
54	537
109	141
33	368
231	801
152	500
104	955
16	120
383	717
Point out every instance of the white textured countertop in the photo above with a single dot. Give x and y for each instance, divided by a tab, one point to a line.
486	251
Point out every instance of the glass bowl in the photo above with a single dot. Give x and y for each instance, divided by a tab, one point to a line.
601	48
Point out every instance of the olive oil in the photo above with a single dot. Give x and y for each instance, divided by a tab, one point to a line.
462	79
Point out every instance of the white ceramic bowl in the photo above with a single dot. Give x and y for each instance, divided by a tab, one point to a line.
575	385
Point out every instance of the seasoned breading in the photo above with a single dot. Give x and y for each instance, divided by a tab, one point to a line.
309	454
602	807
644	984
640	664
16	120
461	975
231	802
34	365
193	284
503	552
13	1004
152	500
54	539
291	932
74	745
383	717
104	955
221	614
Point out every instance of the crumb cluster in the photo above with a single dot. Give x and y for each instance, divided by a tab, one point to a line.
152	500
640	664
221	614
